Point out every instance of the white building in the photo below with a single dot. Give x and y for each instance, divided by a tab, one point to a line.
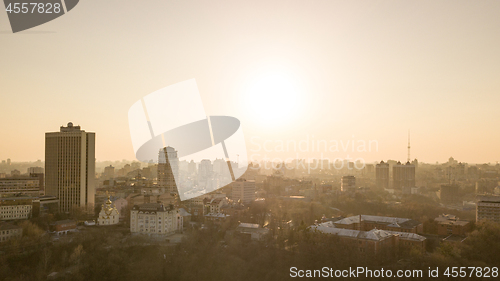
155	219
109	215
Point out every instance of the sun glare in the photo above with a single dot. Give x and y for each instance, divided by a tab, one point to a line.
272	97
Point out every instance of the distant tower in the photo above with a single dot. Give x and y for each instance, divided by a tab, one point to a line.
408	146
168	169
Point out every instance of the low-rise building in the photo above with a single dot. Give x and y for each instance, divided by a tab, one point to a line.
18	208
366	223
252	231
450	224
155	219
9	231
63	227
216	218
374	240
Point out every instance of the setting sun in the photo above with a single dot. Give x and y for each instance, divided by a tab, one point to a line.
272	97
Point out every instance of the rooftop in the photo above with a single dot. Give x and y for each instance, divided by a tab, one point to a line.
390	221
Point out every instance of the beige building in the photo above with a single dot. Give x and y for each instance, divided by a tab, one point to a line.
109	215
488	208
27	185
9	231
243	190
17	208
70	167
155	219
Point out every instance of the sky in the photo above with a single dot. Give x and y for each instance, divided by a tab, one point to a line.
290	70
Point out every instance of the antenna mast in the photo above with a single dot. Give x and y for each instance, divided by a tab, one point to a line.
408	145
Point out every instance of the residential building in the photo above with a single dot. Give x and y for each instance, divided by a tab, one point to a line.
31	185
70	167
488	208
18	208
155	219
382	175
403	175
348	184
243	190
9	231
450	224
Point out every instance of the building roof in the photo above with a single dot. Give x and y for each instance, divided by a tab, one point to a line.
64	222
216	215
184	213
390	221
153	207
374	234
248	225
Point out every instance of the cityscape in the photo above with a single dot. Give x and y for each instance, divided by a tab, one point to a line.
249	140
402	213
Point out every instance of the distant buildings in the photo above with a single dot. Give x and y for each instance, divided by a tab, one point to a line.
9	231
403	175
348	184
70	167
449	193
243	190
155	219
109	215
109	173
382	175
488	208
168	169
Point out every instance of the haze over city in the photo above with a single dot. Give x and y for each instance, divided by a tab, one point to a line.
288	70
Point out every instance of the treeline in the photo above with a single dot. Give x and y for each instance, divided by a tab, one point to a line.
211	254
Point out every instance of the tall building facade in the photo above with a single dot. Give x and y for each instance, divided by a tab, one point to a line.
348	184
70	167
243	190
382	175
168	169
403	175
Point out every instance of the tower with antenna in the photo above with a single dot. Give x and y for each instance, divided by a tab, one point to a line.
408	146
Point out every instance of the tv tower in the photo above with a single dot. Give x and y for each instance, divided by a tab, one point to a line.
408	146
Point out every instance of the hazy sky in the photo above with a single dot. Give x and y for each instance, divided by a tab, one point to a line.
368	69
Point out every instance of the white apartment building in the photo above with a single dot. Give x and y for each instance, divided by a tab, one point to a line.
155	219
